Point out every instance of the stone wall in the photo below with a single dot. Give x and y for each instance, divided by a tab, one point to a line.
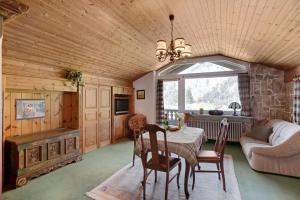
268	93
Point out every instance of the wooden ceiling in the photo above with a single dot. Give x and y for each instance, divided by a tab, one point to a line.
117	38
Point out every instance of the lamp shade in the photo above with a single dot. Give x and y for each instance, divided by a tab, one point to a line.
161	45
161	48
187	52
234	105
179	44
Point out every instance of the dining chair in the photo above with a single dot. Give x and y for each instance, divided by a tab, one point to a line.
159	161
136	124
216	155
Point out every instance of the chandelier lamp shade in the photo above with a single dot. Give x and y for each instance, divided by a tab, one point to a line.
234	106
177	48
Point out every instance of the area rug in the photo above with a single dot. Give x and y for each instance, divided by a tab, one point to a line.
126	185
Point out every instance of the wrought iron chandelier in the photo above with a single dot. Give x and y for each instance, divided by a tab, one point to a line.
177	48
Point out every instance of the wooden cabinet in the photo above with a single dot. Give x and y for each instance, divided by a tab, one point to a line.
123	90
97	117
90	117
120	122
29	156
104	115
120	127
100	125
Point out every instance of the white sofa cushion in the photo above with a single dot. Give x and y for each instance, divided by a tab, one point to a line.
249	143
282	130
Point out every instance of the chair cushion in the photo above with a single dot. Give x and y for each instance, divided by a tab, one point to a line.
260	132
207	155
163	164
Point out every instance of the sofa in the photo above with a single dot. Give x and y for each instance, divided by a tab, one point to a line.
280	155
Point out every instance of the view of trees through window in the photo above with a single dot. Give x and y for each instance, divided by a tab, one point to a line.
170	89
211	93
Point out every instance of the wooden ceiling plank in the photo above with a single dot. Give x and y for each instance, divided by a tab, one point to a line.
64	53
274	20
118	38
290	31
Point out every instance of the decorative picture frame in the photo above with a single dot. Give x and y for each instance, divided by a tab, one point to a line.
30	108
140	94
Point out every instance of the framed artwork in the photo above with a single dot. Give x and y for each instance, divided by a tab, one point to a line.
140	94
30	108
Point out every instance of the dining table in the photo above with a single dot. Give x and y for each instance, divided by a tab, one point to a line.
185	142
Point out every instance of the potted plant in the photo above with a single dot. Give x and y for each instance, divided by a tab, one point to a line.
75	77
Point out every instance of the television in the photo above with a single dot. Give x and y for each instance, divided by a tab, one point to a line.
121	104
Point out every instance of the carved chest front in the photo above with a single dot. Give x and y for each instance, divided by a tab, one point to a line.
32	155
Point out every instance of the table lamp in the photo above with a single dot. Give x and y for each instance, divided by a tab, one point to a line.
234	106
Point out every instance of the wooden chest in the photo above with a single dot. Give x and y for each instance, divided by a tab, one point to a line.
32	155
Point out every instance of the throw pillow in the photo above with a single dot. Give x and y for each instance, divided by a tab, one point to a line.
260	132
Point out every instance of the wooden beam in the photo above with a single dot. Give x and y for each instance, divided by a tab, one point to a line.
12	8
1	104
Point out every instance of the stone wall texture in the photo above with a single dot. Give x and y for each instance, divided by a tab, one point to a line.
271	97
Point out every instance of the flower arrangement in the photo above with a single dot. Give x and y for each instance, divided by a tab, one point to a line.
180	118
75	77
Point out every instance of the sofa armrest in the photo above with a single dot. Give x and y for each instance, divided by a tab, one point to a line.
288	148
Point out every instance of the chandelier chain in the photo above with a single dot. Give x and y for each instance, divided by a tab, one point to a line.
171	30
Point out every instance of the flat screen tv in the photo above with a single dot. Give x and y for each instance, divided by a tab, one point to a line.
121	104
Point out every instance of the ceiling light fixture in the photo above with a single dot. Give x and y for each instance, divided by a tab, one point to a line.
177	48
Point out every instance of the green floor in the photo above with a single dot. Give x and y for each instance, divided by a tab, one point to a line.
72	181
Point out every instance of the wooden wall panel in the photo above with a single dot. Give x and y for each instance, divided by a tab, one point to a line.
56	110
38	84
46	121
7	126
16	125
52	120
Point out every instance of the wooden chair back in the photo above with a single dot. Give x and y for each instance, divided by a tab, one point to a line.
153	130
222	137
136	124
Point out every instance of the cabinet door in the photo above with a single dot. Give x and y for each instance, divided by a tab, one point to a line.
90	117
120	124
104	115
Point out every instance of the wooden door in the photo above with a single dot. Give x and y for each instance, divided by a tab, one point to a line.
120	126
104	115
90	116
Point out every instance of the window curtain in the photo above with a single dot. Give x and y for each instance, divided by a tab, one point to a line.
159	102
296	101
244	92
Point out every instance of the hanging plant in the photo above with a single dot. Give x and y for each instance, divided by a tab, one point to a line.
75	77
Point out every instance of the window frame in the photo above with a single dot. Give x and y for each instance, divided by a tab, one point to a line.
170	80
226	112
170	72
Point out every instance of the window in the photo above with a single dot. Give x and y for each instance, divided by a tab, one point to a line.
211	93
170	89
204	67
